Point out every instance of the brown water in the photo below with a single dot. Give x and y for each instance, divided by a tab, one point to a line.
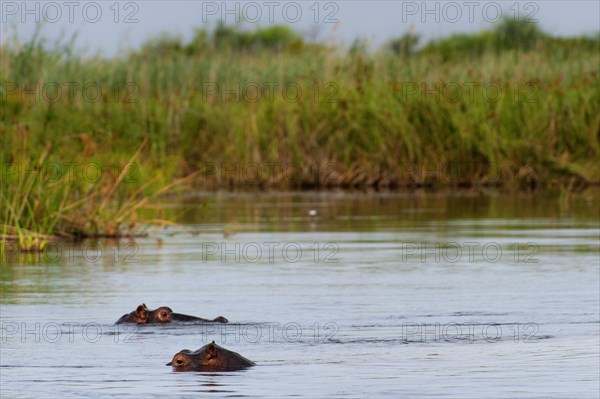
377	295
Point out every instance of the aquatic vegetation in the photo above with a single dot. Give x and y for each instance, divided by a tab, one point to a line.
512	107
42	203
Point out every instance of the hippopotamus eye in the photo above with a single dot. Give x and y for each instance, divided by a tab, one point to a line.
179	362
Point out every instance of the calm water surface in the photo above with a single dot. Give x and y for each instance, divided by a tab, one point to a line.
377	295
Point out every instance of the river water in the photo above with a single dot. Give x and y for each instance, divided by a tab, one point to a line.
349	295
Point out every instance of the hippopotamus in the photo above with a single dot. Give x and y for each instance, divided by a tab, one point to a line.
164	314
211	357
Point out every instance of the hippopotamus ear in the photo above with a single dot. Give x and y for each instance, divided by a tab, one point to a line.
211	351
141	312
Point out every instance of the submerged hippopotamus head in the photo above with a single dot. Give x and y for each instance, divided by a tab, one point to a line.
164	314
210	357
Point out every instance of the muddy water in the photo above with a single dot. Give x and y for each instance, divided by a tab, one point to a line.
375	295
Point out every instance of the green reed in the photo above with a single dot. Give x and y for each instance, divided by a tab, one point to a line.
464	111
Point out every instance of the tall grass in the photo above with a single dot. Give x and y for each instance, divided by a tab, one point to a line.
365	116
508	107
41	203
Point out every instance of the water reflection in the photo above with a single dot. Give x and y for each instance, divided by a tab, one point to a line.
343	210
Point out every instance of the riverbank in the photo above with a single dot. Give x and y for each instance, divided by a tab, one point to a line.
483	110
